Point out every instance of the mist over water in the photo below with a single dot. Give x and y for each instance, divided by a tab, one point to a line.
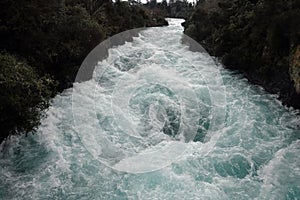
158	121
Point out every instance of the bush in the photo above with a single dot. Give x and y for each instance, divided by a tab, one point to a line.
54	37
74	35
254	36
23	95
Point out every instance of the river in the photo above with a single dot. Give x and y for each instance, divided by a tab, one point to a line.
158	121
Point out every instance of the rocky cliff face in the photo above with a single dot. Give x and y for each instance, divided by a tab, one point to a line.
257	37
295	69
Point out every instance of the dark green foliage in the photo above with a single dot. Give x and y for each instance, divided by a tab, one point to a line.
173	9
254	36
53	38
278	37
90	5
24	94
120	16
257	25
56	39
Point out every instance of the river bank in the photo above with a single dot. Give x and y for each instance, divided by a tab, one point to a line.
154	123
42	46
258	38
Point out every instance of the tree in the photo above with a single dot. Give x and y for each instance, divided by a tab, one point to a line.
164	4
153	3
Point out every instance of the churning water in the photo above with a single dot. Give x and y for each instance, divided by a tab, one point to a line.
158	121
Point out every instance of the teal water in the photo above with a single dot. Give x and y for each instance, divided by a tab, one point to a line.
160	122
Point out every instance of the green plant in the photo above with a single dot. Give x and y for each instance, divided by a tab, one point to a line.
24	94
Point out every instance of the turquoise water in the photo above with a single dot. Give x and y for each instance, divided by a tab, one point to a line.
158	121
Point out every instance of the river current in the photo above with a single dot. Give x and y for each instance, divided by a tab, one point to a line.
158	121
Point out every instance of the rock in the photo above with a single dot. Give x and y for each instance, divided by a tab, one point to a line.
295	69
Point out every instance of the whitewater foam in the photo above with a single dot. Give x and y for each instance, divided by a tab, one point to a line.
157	121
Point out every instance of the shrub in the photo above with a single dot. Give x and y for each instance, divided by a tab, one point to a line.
23	95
